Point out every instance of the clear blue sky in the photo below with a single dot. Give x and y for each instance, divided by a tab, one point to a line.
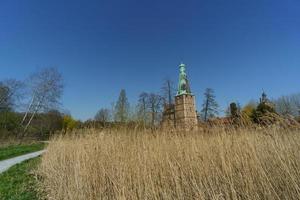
237	47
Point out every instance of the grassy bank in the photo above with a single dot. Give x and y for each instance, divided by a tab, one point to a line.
19	183
244	164
17	150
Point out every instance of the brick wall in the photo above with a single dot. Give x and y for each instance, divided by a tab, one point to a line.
185	112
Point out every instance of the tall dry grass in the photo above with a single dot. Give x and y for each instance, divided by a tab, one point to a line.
243	164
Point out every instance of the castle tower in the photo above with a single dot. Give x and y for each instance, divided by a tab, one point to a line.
185	108
263	98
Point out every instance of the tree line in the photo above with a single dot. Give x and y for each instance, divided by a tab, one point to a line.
31	107
149	108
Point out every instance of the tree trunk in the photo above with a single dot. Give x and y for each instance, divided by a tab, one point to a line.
31	118
153	115
170	95
27	111
206	110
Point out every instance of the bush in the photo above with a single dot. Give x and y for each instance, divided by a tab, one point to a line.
69	123
10	121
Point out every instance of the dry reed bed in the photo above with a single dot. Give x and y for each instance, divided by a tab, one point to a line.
240	164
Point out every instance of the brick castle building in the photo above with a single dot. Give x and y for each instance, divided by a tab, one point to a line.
182	114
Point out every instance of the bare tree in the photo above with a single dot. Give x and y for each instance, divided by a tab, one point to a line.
288	105
103	115
154	104
5	99
143	106
283	106
46	88
10	93
210	106
168	91
295	99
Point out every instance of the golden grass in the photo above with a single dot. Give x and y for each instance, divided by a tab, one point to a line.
242	164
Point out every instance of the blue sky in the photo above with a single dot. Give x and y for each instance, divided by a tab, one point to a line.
236	47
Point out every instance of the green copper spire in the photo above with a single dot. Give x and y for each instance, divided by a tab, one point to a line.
183	86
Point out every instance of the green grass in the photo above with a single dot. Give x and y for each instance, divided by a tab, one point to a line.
17	150
19	183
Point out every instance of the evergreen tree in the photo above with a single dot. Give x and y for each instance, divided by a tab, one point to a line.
209	106
122	107
234	111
